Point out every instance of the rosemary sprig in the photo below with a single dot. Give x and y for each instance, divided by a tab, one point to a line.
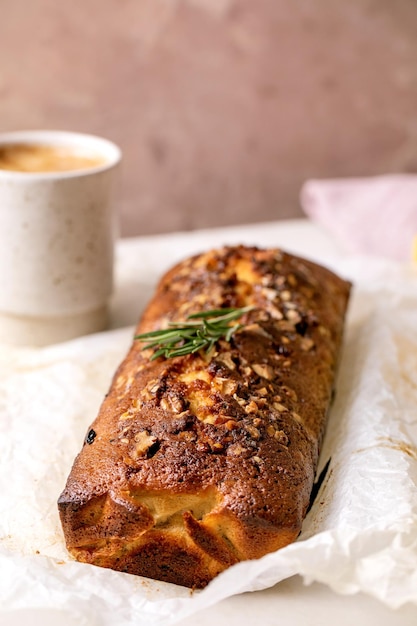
200	331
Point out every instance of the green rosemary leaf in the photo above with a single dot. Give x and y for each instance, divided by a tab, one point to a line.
232	330
226	314
200	331
158	353
212	313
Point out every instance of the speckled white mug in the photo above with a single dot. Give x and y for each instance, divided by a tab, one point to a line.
57	233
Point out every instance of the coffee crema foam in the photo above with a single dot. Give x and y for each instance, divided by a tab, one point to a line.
21	157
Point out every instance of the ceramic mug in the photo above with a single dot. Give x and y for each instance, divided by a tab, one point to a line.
57	234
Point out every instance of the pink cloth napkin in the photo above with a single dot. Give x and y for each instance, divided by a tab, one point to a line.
367	215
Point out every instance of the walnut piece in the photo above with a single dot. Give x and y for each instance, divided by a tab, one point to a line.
175	404
279	407
264	370
236	449
254	432
226	359
252	407
227	386
143	442
306	344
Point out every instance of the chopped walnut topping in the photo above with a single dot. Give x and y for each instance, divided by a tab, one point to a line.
227	386
254	432
143	442
125	416
306	343
285	340
226	359
222	419
266	280
257	422
279	407
174	404
271	430
257	459
240	401
148	392
292	280
252	407
231	424
217	447
286	363
277	398
255	328
263	391
275	313
270	294
247	371
188	435
293	316
236	449
285	295
153	386
281	437
262	316
164	404
124	381
124	440
177	404
285	326
266	371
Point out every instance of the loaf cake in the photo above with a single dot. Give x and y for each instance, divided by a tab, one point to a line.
199	461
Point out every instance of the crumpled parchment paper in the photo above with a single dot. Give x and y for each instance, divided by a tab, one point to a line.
360	534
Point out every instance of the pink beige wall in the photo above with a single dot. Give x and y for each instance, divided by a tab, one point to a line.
222	107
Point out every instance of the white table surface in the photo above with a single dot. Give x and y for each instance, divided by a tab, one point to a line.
290	603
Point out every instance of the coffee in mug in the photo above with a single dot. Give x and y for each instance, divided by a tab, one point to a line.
57	233
28	157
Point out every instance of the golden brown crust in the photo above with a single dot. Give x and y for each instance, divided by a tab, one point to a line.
198	462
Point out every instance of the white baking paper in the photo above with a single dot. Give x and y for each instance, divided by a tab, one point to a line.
360	535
